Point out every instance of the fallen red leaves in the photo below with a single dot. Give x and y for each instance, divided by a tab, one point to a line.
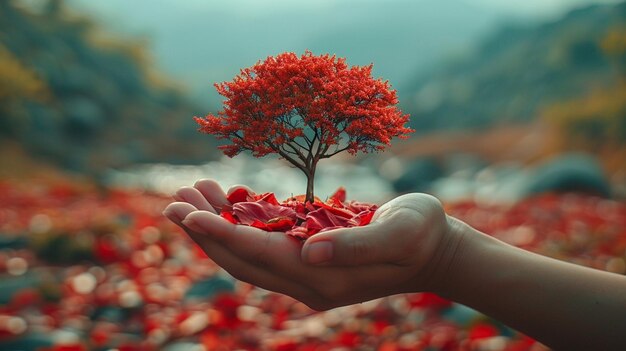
105	270
294	216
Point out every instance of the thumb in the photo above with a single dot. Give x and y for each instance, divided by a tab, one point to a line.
349	246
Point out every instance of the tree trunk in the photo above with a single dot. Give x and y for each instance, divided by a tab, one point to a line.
309	187
310	182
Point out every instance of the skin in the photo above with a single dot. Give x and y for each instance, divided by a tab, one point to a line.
411	245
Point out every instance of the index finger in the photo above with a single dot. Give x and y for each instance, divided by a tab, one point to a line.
275	251
254	244
212	192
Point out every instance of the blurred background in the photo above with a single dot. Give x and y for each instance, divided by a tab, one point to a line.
520	118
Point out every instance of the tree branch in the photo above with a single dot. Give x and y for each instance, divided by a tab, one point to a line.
246	144
288	120
295	151
308	141
318	151
299	145
291	160
335	152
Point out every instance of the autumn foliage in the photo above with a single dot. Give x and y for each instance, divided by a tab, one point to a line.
306	109
293	216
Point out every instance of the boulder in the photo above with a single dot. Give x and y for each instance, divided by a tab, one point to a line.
570	173
417	175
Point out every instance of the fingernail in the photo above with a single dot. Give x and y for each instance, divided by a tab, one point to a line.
319	252
171	215
191	224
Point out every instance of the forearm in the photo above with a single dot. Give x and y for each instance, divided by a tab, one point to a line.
563	305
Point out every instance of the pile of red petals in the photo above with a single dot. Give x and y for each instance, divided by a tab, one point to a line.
294	216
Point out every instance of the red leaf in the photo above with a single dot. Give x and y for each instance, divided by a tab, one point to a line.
482	331
324	218
267	197
338	198
358	207
280	224
248	212
302	198
335	210
299	232
428	300
365	217
258	224
239	195
229	217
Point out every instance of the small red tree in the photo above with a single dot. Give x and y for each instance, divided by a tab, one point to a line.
306	109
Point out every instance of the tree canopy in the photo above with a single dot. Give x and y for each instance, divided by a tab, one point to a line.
306	108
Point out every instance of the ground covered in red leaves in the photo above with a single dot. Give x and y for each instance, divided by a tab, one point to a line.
84	268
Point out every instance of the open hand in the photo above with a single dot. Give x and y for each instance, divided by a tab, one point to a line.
401	250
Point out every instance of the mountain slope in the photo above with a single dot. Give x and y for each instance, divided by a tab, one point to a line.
516	72
85	103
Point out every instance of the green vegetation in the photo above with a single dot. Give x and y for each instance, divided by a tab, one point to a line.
84	102
518	71
596	122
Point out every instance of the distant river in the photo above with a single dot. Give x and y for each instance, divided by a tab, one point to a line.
361	182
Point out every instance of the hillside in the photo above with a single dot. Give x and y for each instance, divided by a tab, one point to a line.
516	72
84	102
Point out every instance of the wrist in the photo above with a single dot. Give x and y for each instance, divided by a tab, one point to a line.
450	254
469	260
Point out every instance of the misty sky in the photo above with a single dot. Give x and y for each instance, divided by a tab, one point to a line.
200	42
253	8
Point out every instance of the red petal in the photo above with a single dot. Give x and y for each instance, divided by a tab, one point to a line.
339	197
482	331
337	211
309	206
301	211
229	217
239	195
301	198
428	300
263	211
324	218
313	231
358	207
280	224
267	197
365	217
299	232
258	224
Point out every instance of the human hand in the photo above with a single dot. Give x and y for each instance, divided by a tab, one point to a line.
404	249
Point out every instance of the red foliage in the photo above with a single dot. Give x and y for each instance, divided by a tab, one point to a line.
295	217
305	109
68	347
483	331
239	195
577	228
428	300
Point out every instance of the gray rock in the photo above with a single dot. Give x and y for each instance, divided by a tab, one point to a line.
30	342
418	175
570	172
